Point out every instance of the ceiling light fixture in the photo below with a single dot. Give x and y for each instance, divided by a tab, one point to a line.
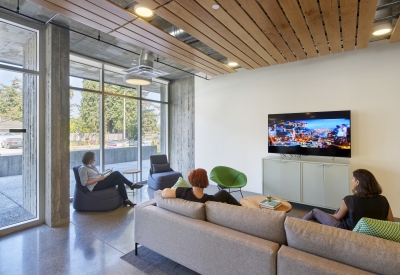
136	80
143	11
215	6
232	64
381	28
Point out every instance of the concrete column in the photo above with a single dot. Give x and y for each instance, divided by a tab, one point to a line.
29	122
57	126
181	125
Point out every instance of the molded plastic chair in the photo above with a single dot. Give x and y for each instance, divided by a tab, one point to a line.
95	201
228	178
164	179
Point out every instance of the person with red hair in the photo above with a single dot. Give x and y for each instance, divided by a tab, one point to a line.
199	180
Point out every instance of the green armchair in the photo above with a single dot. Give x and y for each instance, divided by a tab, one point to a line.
228	178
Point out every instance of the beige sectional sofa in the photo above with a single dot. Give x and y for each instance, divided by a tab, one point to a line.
216	238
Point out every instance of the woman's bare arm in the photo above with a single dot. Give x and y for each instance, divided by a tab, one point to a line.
168	193
390	215
342	212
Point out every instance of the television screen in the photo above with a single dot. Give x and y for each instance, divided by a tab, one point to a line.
316	134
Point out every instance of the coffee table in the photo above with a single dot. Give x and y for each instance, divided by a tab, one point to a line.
253	202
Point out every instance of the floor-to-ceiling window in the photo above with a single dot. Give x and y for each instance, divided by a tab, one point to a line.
107	116
20	190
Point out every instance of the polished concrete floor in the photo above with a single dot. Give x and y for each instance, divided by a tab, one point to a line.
91	244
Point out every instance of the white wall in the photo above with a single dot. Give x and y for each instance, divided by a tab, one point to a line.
231	111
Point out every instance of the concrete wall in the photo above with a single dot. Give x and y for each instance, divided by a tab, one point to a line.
181	125
232	111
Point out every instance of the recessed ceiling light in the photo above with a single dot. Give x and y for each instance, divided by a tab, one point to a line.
232	64
381	28
143	11
381	32
215	6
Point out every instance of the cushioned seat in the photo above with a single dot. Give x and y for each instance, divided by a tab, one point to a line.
96	201
161	175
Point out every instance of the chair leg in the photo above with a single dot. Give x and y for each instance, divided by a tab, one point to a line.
240	189
136	244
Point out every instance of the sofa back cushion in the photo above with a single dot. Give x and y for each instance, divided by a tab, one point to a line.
195	210
262	223
365	252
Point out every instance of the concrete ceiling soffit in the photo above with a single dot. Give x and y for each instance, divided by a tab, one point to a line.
112	19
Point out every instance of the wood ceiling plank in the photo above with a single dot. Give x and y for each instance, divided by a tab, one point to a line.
188	17
176	21
330	12
348	15
156	31
395	37
207	18
114	8
89	15
273	55
278	18
99	11
157	51
313	16
164	43
365	22
295	16
263	22
234	27
71	15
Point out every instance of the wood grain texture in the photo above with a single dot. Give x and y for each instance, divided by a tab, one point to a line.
207	18
259	17
278	18
395	37
311	11
348	14
365	22
295	16
330	13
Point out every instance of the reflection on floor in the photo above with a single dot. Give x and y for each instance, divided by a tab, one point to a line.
91	244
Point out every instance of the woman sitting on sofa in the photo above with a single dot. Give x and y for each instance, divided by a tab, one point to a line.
199	180
93	180
366	202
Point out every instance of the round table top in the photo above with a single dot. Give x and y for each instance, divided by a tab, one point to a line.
131	171
253	202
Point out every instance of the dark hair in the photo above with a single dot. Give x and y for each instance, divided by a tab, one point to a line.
198	178
87	157
367	186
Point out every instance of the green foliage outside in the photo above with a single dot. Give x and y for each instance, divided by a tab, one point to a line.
11	101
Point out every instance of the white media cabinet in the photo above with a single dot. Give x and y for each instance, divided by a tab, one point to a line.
317	183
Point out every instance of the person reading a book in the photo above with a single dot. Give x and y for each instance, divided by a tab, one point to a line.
199	180
366	202
94	180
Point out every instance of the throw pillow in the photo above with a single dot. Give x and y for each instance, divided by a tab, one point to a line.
159	168
181	183
381	229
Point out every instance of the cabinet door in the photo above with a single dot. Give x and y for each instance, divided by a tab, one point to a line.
290	180
313	184
337	184
272	178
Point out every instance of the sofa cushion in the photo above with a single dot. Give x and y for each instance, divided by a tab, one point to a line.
261	223
181	183
166	176
381	229
183	207
361	251
159	168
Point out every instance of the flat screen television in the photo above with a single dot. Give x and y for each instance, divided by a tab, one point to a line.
314	134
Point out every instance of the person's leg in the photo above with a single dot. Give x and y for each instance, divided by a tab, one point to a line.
117	175
322	217
224	196
110	182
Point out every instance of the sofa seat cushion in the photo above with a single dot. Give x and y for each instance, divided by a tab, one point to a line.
361	251
261	223
166	176
183	207
381	229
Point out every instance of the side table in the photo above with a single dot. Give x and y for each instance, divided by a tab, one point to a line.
134	172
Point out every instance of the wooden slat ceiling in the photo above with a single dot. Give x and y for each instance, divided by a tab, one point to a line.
396	33
254	33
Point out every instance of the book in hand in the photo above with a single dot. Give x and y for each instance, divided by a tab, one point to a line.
273	204
106	172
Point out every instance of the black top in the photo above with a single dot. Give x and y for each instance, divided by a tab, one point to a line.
376	207
187	194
